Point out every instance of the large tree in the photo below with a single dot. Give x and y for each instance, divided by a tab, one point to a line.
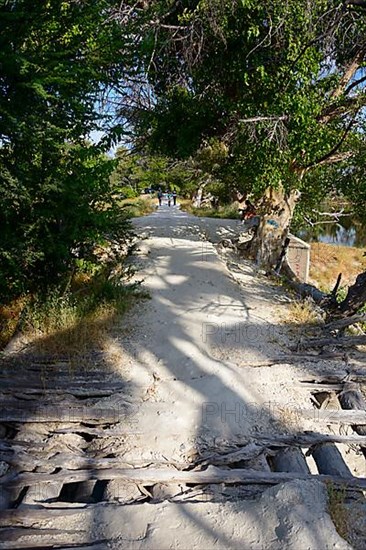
280	83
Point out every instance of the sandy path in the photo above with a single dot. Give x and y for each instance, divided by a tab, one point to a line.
190	339
184	358
186	363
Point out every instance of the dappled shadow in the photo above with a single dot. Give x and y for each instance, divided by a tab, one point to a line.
192	365
63	409
196	341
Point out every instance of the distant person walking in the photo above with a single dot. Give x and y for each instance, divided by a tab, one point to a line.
169	198
160	196
174	198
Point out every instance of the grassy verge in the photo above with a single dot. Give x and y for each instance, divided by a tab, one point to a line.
76	314
328	260
226	212
139	206
78	321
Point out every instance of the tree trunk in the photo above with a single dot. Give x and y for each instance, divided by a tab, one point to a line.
356	297
198	198
277	208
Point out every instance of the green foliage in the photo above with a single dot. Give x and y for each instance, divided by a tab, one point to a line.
127	192
56	219
55	57
139	171
263	79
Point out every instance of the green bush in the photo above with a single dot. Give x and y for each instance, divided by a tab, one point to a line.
127	192
50	222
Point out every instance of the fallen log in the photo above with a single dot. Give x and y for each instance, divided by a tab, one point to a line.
329	460
150	476
290	460
351	398
345	341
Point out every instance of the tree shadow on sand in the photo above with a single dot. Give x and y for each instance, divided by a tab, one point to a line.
173	385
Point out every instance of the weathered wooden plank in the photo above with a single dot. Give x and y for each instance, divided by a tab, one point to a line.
294	358
307	439
13	533
97	390
333	416
98	432
70	461
321	387
149	476
60	413
46	539
355	376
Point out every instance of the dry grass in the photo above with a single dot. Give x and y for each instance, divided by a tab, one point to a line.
72	337
328	260
303	312
338	511
76	324
9	319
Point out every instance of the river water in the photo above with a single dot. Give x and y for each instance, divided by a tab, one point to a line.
347	232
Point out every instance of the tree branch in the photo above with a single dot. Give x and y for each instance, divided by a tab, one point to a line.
349	72
348	106
354	84
333	156
271	118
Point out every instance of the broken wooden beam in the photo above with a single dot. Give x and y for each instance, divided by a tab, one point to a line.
332	416
150	476
27	412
